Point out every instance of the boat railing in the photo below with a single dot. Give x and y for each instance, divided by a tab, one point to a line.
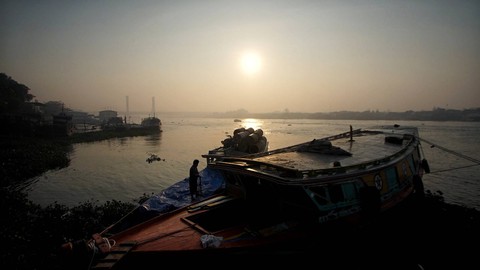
289	175
378	164
217	153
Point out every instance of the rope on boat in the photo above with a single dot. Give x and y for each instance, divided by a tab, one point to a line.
92	244
451	151
474	160
456	168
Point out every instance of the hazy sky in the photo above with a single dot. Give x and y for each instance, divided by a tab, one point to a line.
262	56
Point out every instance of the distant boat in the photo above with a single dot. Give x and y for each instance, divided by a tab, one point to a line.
152	122
62	124
237	120
281	200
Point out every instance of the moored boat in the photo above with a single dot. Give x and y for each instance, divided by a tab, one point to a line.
151	122
62	124
285	199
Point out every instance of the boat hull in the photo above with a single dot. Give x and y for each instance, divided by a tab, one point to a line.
300	200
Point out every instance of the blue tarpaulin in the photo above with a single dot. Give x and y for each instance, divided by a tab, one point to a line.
178	194
171	198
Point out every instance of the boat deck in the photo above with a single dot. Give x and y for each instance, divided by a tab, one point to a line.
182	229
363	149
235	223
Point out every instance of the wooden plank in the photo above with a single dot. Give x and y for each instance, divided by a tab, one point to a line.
114	256
198	206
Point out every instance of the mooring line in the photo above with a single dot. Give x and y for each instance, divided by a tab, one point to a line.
451	151
456	168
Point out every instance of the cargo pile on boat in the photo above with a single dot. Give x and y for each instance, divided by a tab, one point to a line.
246	140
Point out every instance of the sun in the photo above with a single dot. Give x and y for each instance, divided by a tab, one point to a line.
251	62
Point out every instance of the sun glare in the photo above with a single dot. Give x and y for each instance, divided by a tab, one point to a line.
253	123
251	63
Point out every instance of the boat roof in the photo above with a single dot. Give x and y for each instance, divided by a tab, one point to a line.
349	152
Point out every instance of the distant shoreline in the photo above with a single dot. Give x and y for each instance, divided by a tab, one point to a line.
438	114
467	115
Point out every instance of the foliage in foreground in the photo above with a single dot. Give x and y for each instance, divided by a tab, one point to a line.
31	236
24	158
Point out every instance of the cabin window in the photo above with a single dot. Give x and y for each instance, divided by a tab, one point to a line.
231	179
234	185
349	191
392	178
336	193
404	170
416	158
257	191
320	195
411	163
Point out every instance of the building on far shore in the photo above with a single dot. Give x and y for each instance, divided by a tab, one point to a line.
105	115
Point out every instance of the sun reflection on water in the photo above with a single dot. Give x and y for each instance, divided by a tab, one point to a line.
253	123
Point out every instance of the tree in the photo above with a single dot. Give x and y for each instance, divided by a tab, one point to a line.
13	95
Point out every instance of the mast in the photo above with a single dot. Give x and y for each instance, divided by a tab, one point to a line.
127	116
153	106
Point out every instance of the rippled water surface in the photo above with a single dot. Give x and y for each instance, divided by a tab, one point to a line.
117	169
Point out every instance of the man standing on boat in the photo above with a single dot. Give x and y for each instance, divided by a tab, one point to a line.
192	180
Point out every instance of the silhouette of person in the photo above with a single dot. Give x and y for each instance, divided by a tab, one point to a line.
192	180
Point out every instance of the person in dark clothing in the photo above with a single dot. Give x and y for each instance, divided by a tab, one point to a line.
192	180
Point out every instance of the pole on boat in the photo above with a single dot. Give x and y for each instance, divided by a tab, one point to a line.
200	185
351	134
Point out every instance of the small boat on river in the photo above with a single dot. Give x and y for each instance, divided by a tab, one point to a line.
152	122
286	199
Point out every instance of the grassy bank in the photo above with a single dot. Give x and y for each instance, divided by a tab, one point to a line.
26	157
31	235
23	158
429	232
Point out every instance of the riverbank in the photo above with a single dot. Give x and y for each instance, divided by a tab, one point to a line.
31	236
109	134
23	158
428	232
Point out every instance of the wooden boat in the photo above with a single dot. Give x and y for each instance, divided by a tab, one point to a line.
152	122
284	201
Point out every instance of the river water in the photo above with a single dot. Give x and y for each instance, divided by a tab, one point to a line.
117	169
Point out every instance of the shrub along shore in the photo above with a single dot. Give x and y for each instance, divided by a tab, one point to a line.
432	231
30	234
